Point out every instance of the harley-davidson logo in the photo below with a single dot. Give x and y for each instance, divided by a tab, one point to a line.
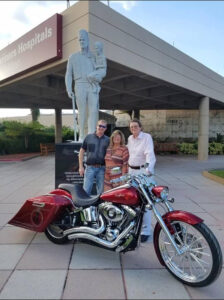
37	217
119	195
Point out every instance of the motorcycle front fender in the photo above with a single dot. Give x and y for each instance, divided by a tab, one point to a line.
176	215
38	212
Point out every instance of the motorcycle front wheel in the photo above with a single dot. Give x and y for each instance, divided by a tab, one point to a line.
202	262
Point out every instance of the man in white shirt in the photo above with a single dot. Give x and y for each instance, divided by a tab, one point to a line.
141	152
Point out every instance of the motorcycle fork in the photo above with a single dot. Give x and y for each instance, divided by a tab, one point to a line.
137	233
140	221
161	222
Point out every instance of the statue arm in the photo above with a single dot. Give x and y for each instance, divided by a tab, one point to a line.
102	63
69	79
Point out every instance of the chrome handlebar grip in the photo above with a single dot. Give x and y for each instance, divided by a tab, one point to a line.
120	179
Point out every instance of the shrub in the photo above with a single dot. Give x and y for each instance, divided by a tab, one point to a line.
192	148
10	145
67	133
16	129
16	137
216	148
188	148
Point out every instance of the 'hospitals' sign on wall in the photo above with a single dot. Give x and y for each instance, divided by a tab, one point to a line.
40	46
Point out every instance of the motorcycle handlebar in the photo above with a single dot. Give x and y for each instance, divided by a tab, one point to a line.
141	178
120	179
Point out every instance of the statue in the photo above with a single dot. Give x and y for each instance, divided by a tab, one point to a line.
87	70
100	67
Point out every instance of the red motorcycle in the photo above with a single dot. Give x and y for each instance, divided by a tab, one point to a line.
113	220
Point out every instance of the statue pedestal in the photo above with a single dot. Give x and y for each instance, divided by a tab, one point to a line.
67	164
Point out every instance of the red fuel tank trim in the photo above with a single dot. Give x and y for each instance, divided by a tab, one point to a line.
125	196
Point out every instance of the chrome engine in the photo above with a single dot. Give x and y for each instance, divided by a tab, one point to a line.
90	214
108	225
111	212
105	224
117	218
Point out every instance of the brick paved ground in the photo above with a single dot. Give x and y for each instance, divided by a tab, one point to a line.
31	267
18	157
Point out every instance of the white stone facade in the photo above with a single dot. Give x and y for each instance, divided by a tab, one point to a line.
175	124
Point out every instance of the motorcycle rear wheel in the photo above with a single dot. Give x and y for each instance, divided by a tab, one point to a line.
201	264
54	231
55	234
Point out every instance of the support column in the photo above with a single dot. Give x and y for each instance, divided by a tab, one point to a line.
203	129
58	126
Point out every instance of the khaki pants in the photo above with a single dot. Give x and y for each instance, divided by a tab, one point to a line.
146	226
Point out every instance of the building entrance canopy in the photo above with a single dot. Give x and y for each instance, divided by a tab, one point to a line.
144	72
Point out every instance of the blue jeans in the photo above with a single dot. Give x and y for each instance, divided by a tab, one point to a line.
92	173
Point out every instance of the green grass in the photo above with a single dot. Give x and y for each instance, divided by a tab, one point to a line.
219	173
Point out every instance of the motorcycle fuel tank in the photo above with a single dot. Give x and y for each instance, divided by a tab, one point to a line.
125	196
38	212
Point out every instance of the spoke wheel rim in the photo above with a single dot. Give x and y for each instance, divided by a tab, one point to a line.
196	264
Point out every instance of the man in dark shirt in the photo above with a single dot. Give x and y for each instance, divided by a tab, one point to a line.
95	145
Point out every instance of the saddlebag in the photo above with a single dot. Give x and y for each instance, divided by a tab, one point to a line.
38	212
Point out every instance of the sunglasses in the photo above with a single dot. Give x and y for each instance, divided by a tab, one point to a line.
102	126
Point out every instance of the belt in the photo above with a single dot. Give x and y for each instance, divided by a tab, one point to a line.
136	167
96	165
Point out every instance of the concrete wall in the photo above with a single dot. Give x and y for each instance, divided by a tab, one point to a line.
162	124
46	120
49	119
175	124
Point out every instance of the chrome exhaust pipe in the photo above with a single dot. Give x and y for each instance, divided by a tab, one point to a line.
85	229
102	242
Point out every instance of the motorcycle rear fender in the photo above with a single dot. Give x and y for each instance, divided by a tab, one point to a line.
176	215
38	212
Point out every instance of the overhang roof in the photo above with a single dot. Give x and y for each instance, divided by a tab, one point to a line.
144	72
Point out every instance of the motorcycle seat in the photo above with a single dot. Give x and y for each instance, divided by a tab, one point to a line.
79	196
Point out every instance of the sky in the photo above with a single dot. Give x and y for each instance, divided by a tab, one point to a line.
193	27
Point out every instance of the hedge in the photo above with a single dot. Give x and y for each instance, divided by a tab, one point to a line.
192	148
10	144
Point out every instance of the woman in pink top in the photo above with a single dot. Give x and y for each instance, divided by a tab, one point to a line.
116	159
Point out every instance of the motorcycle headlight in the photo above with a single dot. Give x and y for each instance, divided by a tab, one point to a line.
164	193
161	191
